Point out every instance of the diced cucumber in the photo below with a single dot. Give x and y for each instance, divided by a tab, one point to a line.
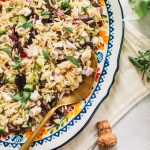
2	129
57	121
30	78
16	96
47	97
28	87
22	19
14	19
26	95
40	61
12	80
71	5
36	66
96	31
2	30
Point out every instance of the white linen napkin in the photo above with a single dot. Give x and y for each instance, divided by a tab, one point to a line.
127	91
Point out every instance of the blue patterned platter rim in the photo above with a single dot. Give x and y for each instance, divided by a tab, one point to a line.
109	62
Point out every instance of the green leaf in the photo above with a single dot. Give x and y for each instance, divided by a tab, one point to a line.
140	7
26	25
104	16
134	62
69	29
16	66
7	50
46	14
46	55
64	4
17	59
84	9
142	62
73	60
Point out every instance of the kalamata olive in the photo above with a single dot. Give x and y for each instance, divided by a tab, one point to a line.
92	25
60	110
0	8
32	35
48	20
20	81
20	48
90	44
34	16
42	84
95	4
14	37
48	6
59	33
2	82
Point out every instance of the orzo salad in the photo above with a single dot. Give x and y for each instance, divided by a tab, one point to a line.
45	50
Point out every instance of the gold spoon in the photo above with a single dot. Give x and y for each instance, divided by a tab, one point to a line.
76	96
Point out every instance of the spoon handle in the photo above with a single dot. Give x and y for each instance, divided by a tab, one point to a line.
30	140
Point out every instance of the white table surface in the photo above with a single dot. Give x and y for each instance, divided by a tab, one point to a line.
133	130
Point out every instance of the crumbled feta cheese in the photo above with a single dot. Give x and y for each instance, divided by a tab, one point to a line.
86	3
63	65
84	34
79	70
39	25
88	71
58	44
45	75
10	112
1	70
52	77
75	12
70	45
86	55
32	52
95	40
35	96
6	97
34	111
25	61
39	22
18	121
21	31
25	11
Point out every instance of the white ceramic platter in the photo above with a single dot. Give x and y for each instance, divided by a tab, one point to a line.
108	59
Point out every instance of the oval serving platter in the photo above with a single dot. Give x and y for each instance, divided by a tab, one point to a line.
112	32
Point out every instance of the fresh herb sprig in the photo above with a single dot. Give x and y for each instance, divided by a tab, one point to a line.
142	63
140	7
